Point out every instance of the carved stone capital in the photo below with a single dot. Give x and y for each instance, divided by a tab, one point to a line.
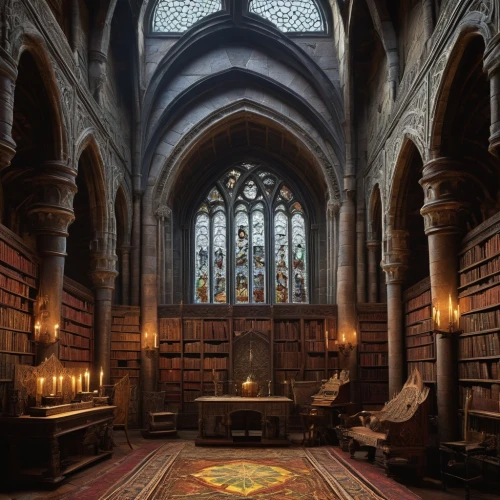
103	271
395	259
332	210
8	75
491	58
441	181
52	208
373	245
492	67
394	273
163	212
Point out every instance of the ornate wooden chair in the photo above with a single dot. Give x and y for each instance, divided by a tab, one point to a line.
159	419
400	429
121	399
313	420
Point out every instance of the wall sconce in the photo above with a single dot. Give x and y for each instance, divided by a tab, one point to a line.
453	322
151	350
346	348
44	337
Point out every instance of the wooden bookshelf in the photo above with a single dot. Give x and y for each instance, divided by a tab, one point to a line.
77	325
19	268
196	344
125	344
373	373
479	299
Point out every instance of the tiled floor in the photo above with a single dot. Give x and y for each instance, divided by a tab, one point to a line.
428	490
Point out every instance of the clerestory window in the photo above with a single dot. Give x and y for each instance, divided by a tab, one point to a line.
250	241
176	16
292	16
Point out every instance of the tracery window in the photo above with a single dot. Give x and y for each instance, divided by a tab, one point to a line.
176	16
297	16
250	241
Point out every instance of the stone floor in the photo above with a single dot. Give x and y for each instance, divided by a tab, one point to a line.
429	489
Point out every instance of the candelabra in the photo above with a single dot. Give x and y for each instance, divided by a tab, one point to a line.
346	348
453	320
44	337
150	351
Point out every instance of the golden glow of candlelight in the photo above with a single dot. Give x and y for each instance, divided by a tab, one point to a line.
100	377
79	384
60	388
343	338
73	385
56	328
156	344
54	382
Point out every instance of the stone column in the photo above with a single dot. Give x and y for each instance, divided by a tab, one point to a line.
149	295
492	66
346	278
135	251
52	213
103	276
332	250
8	75
395	265
163	213
360	256
442	214
373	247
125	273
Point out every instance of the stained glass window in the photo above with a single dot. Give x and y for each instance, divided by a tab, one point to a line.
176	16
261	255
296	16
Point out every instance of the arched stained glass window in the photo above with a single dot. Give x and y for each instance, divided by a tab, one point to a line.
176	16
296	16
250	241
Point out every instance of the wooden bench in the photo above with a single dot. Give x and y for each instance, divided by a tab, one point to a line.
400	429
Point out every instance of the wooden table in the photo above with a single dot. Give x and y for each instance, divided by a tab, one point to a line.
221	412
45	449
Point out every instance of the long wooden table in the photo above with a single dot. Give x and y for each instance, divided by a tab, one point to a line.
219	412
45	449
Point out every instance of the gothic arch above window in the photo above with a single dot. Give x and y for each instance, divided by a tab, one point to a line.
176	16
250	241
290	16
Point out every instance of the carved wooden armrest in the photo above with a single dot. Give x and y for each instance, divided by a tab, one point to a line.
354	420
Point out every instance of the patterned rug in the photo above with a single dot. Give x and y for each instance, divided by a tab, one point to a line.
183	471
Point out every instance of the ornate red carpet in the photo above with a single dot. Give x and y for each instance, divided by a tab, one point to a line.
182	471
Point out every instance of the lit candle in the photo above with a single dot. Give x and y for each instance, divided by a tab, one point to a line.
450	309
42	381
56	328
156	345
39	385
60	389
87	377
73	385
439	318
54	388
100	377
37	330
79	384
343	338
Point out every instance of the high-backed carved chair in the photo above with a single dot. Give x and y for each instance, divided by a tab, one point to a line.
312	421
159	419
121	399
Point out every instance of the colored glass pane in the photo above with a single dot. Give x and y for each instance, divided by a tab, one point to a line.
281	256
241	270
299	269
202	242
219	256
258	256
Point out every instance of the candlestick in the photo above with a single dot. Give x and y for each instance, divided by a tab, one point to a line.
37	330
39	385
73	386
156	345
56	328
450	309
79	384
54	388
60	387
100	378
42	381
87	379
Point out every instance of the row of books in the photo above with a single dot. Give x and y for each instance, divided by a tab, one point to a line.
83	317
419	301
129	319
125	354
287	347
126	329
67	353
192	347
313	330
314	375
371	336
484	320
489	297
193	328
286	359
479	370
13	258
373	327
315	363
315	345
374	316
476	273
370	374
120	372
373	347
119	363
426	369
126	337
476	346
243	325
15	341
84	331
215	363
222	348
486	249
287	330
373	392
416	340
422	352
373	359
170	375
192	363
477	287
127	346
170	347
483	391
220	376
170	328
190	396
76	303
189	375
418	315
215	329
12	300
18	320
7	363
74	340
425	326
13	281
169	363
